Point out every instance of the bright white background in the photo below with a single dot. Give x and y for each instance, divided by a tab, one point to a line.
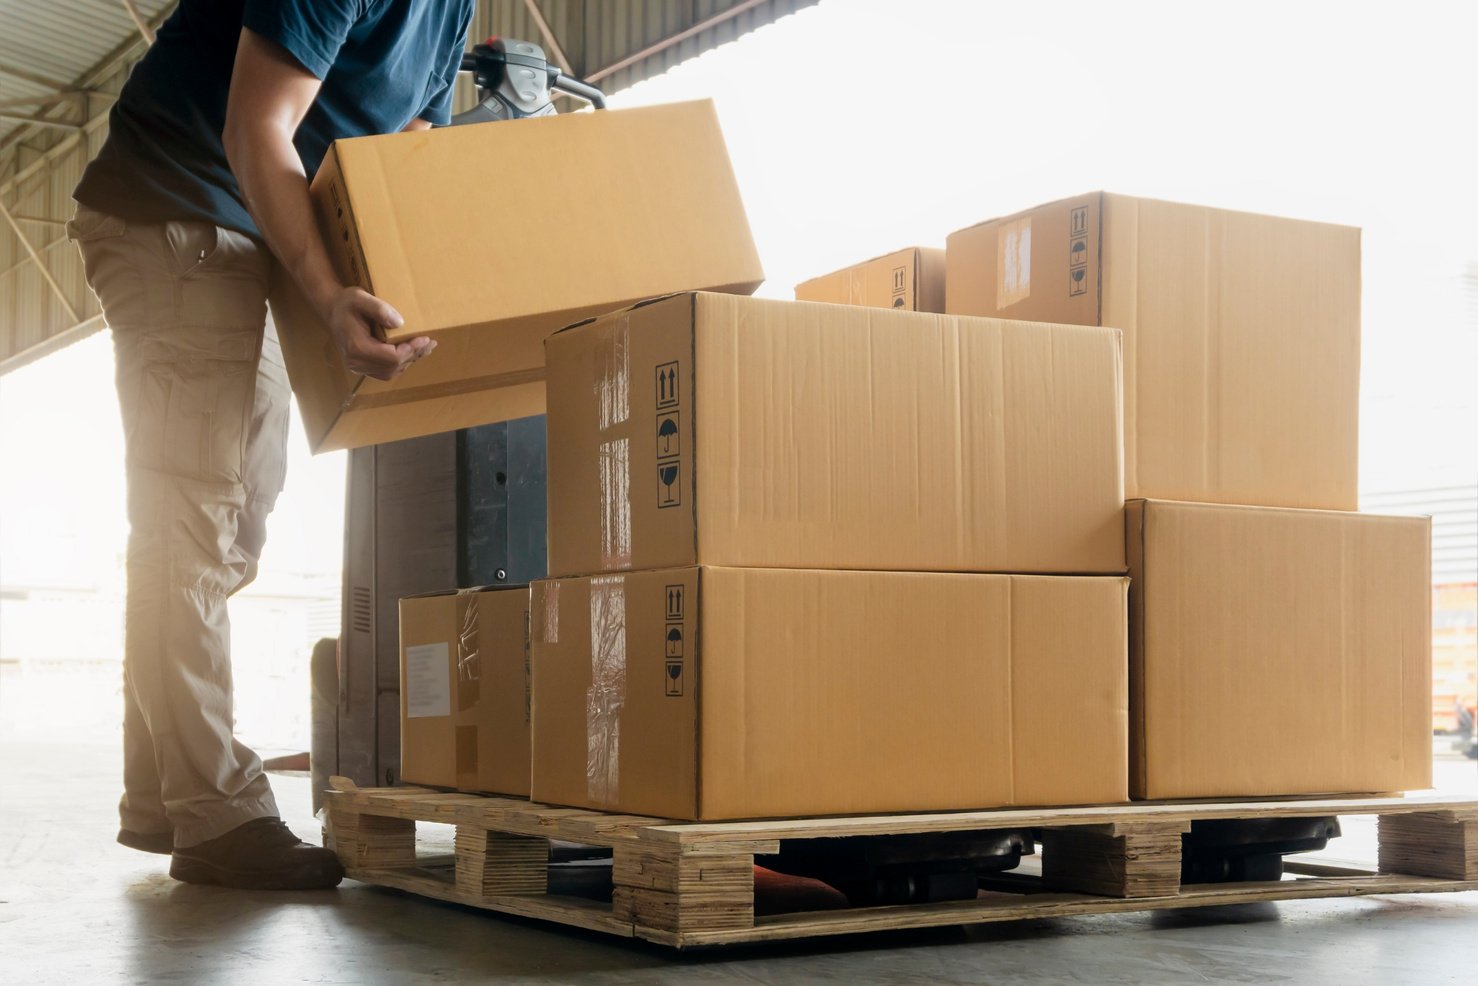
860	126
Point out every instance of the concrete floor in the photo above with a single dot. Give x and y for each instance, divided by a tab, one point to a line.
76	908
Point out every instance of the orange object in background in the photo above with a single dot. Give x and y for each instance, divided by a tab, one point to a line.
1454	653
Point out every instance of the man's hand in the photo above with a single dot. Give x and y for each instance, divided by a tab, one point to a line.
355	319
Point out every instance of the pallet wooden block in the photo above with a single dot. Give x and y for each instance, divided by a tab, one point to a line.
692	884
1124	859
1435	843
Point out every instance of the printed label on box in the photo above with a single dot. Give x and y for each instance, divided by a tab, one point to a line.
428	681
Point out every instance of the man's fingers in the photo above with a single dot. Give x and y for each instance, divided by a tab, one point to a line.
378	313
415	349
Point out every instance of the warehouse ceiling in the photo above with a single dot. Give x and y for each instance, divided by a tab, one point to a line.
62	63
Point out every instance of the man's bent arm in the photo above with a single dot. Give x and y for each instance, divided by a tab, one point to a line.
270	94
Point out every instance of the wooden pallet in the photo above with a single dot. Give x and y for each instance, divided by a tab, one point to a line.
693	884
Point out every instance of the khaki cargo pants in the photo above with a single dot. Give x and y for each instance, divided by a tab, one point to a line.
204	401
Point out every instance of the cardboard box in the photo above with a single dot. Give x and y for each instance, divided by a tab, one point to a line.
911	279
489	237
465	689
721	693
1278	652
716	430
1241	336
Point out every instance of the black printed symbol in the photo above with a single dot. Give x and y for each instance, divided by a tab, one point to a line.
1078	255
675	602
1078	223
900	279
667	491
1079	281
668	442
667	385
898	302
674	641
674	679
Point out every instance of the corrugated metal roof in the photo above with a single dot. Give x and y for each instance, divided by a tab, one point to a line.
47	44
50	44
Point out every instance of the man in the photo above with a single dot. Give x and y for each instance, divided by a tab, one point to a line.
195	209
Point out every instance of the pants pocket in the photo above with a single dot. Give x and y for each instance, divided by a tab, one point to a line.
192	417
90	225
190	244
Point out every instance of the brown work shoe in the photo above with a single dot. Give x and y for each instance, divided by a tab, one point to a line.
155	842
262	854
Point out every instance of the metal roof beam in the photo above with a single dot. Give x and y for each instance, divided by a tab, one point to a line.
33	78
138	20
537	15
674	39
19	101
40	121
40	263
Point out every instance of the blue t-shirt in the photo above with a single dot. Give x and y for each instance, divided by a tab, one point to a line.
383	63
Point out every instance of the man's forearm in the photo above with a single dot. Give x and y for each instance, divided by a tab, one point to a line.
270	174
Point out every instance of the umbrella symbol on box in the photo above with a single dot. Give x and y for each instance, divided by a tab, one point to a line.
674	641
667	435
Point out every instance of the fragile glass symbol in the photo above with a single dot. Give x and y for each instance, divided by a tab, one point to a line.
668	474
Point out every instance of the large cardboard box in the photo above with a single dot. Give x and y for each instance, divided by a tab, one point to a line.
717	430
466	689
1277	651
1241	336
911	279
720	693
489	237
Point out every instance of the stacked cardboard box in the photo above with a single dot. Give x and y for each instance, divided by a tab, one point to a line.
466	689
1274	651
761	518
857	557
911	279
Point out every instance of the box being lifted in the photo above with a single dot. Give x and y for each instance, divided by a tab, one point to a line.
721	693
715	430
1241	336
488	237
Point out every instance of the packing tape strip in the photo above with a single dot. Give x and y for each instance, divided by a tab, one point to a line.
613	475
469	667
469	676
1013	262
607	693
613	374
549	612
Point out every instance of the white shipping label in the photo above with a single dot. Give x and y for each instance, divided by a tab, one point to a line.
428	681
